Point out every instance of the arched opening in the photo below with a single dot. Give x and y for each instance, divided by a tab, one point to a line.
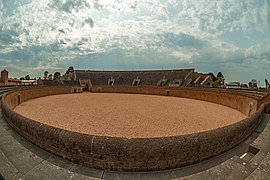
85	87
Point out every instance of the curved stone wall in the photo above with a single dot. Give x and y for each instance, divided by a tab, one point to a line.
245	104
137	154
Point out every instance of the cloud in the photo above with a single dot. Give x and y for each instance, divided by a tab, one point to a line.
56	33
67	5
259	52
6	38
182	40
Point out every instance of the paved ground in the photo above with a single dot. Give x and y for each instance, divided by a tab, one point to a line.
19	159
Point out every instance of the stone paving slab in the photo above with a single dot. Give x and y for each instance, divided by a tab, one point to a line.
60	162
163	175
29	146
266	164
258	174
3	132
92	172
81	177
207	164
119	176
6	167
202	175
230	170
20	157
46	170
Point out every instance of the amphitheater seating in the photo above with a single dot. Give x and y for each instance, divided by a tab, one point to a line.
60	83
200	79
176	83
162	82
180	77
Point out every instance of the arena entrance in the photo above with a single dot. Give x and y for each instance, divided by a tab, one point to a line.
86	85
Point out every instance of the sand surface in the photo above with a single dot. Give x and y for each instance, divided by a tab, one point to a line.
128	115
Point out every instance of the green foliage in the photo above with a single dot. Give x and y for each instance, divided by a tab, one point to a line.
46	75
244	86
56	75
50	77
220	78
70	70
253	84
27	77
215	84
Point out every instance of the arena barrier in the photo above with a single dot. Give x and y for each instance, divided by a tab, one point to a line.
137	154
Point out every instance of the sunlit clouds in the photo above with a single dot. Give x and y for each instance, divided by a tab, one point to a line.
232	36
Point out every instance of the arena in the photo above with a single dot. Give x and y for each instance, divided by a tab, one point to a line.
159	142
137	121
128	115
134	90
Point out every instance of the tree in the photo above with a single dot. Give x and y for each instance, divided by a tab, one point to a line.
267	84
214	78
244	86
56	75
46	75
50	77
253	84
250	85
70	70
27	77
220	78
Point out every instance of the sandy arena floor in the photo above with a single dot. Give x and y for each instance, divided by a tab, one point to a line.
128	115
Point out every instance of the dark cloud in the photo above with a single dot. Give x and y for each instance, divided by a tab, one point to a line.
6	38
67	5
70	5
17	54
32	55
61	31
90	22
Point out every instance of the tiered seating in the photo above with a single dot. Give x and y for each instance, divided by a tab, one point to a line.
200	79
162	82
60	83
146	78
176	83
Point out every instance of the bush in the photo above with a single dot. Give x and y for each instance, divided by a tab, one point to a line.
215	84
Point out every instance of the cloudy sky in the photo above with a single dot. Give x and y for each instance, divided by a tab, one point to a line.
231	36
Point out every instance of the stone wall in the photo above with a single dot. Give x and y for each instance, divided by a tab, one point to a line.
245	104
265	100
136	154
16	97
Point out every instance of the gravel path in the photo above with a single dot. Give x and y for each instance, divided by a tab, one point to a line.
128	115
